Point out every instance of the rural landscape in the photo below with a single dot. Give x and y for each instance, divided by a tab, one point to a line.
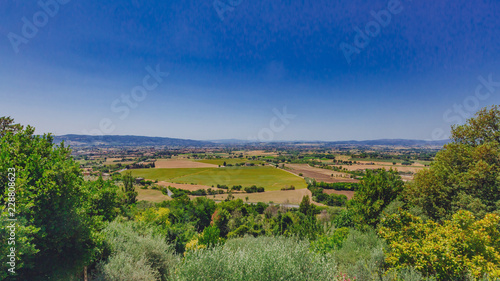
257	211
231	140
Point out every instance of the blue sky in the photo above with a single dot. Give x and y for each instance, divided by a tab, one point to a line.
227	78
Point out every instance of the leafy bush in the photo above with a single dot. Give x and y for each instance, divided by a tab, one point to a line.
123	266
361	255
378	189
254	189
199	192
136	254
177	192
291	187
329	243
263	258
338	185
236	187
458	247
344	219
210	236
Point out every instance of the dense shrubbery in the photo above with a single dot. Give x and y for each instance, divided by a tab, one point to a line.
338	185
262	258
253	189
135	254
176	192
377	190
462	245
222	186
327	199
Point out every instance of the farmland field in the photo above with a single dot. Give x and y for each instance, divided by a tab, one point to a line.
389	161
228	161
164	163
377	165
275	196
114	161
319	174
267	177
166	174
151	195
348	193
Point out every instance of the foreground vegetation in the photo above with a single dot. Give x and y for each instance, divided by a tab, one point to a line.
444	225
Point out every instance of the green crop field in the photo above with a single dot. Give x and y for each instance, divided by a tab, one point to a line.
267	177
165	174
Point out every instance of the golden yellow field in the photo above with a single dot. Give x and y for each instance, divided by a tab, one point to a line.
319	174
362	165
151	195
277	196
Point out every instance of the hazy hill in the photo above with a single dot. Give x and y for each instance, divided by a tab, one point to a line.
84	140
393	142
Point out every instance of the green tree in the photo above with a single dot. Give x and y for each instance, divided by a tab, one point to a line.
220	219
377	190
465	174
210	236
305	206
129	189
103	198
7	125
54	237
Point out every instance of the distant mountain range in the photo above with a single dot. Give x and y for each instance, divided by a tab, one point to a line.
393	142
381	142
85	140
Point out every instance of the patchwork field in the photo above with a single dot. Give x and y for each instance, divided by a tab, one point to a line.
167	163
268	177
277	196
217	162
348	193
377	165
260	153
319	174
151	195
114	161
389	161
164	174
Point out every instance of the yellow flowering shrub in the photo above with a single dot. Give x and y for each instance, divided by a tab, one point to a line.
455	248
193	245
158	216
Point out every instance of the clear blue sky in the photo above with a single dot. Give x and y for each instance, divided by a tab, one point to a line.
226	76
